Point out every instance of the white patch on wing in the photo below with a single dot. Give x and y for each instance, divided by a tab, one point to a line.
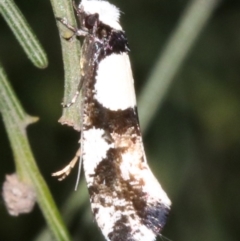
94	150
105	219
114	83
142	233
108	13
153	188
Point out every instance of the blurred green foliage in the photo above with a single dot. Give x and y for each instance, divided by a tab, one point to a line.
193	143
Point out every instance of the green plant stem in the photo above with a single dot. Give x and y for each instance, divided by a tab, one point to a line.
71	61
192	22
16	121
71	206
23	33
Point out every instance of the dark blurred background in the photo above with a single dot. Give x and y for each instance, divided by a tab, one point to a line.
193	143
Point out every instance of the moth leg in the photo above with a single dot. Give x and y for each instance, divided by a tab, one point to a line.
75	96
62	174
76	31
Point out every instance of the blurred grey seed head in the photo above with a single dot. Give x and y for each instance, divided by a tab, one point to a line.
19	197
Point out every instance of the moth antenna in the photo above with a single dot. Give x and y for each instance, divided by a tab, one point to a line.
79	173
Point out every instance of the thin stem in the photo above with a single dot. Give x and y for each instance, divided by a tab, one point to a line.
23	33
16	120
71	61
170	61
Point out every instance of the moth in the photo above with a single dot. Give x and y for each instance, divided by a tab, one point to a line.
127	201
